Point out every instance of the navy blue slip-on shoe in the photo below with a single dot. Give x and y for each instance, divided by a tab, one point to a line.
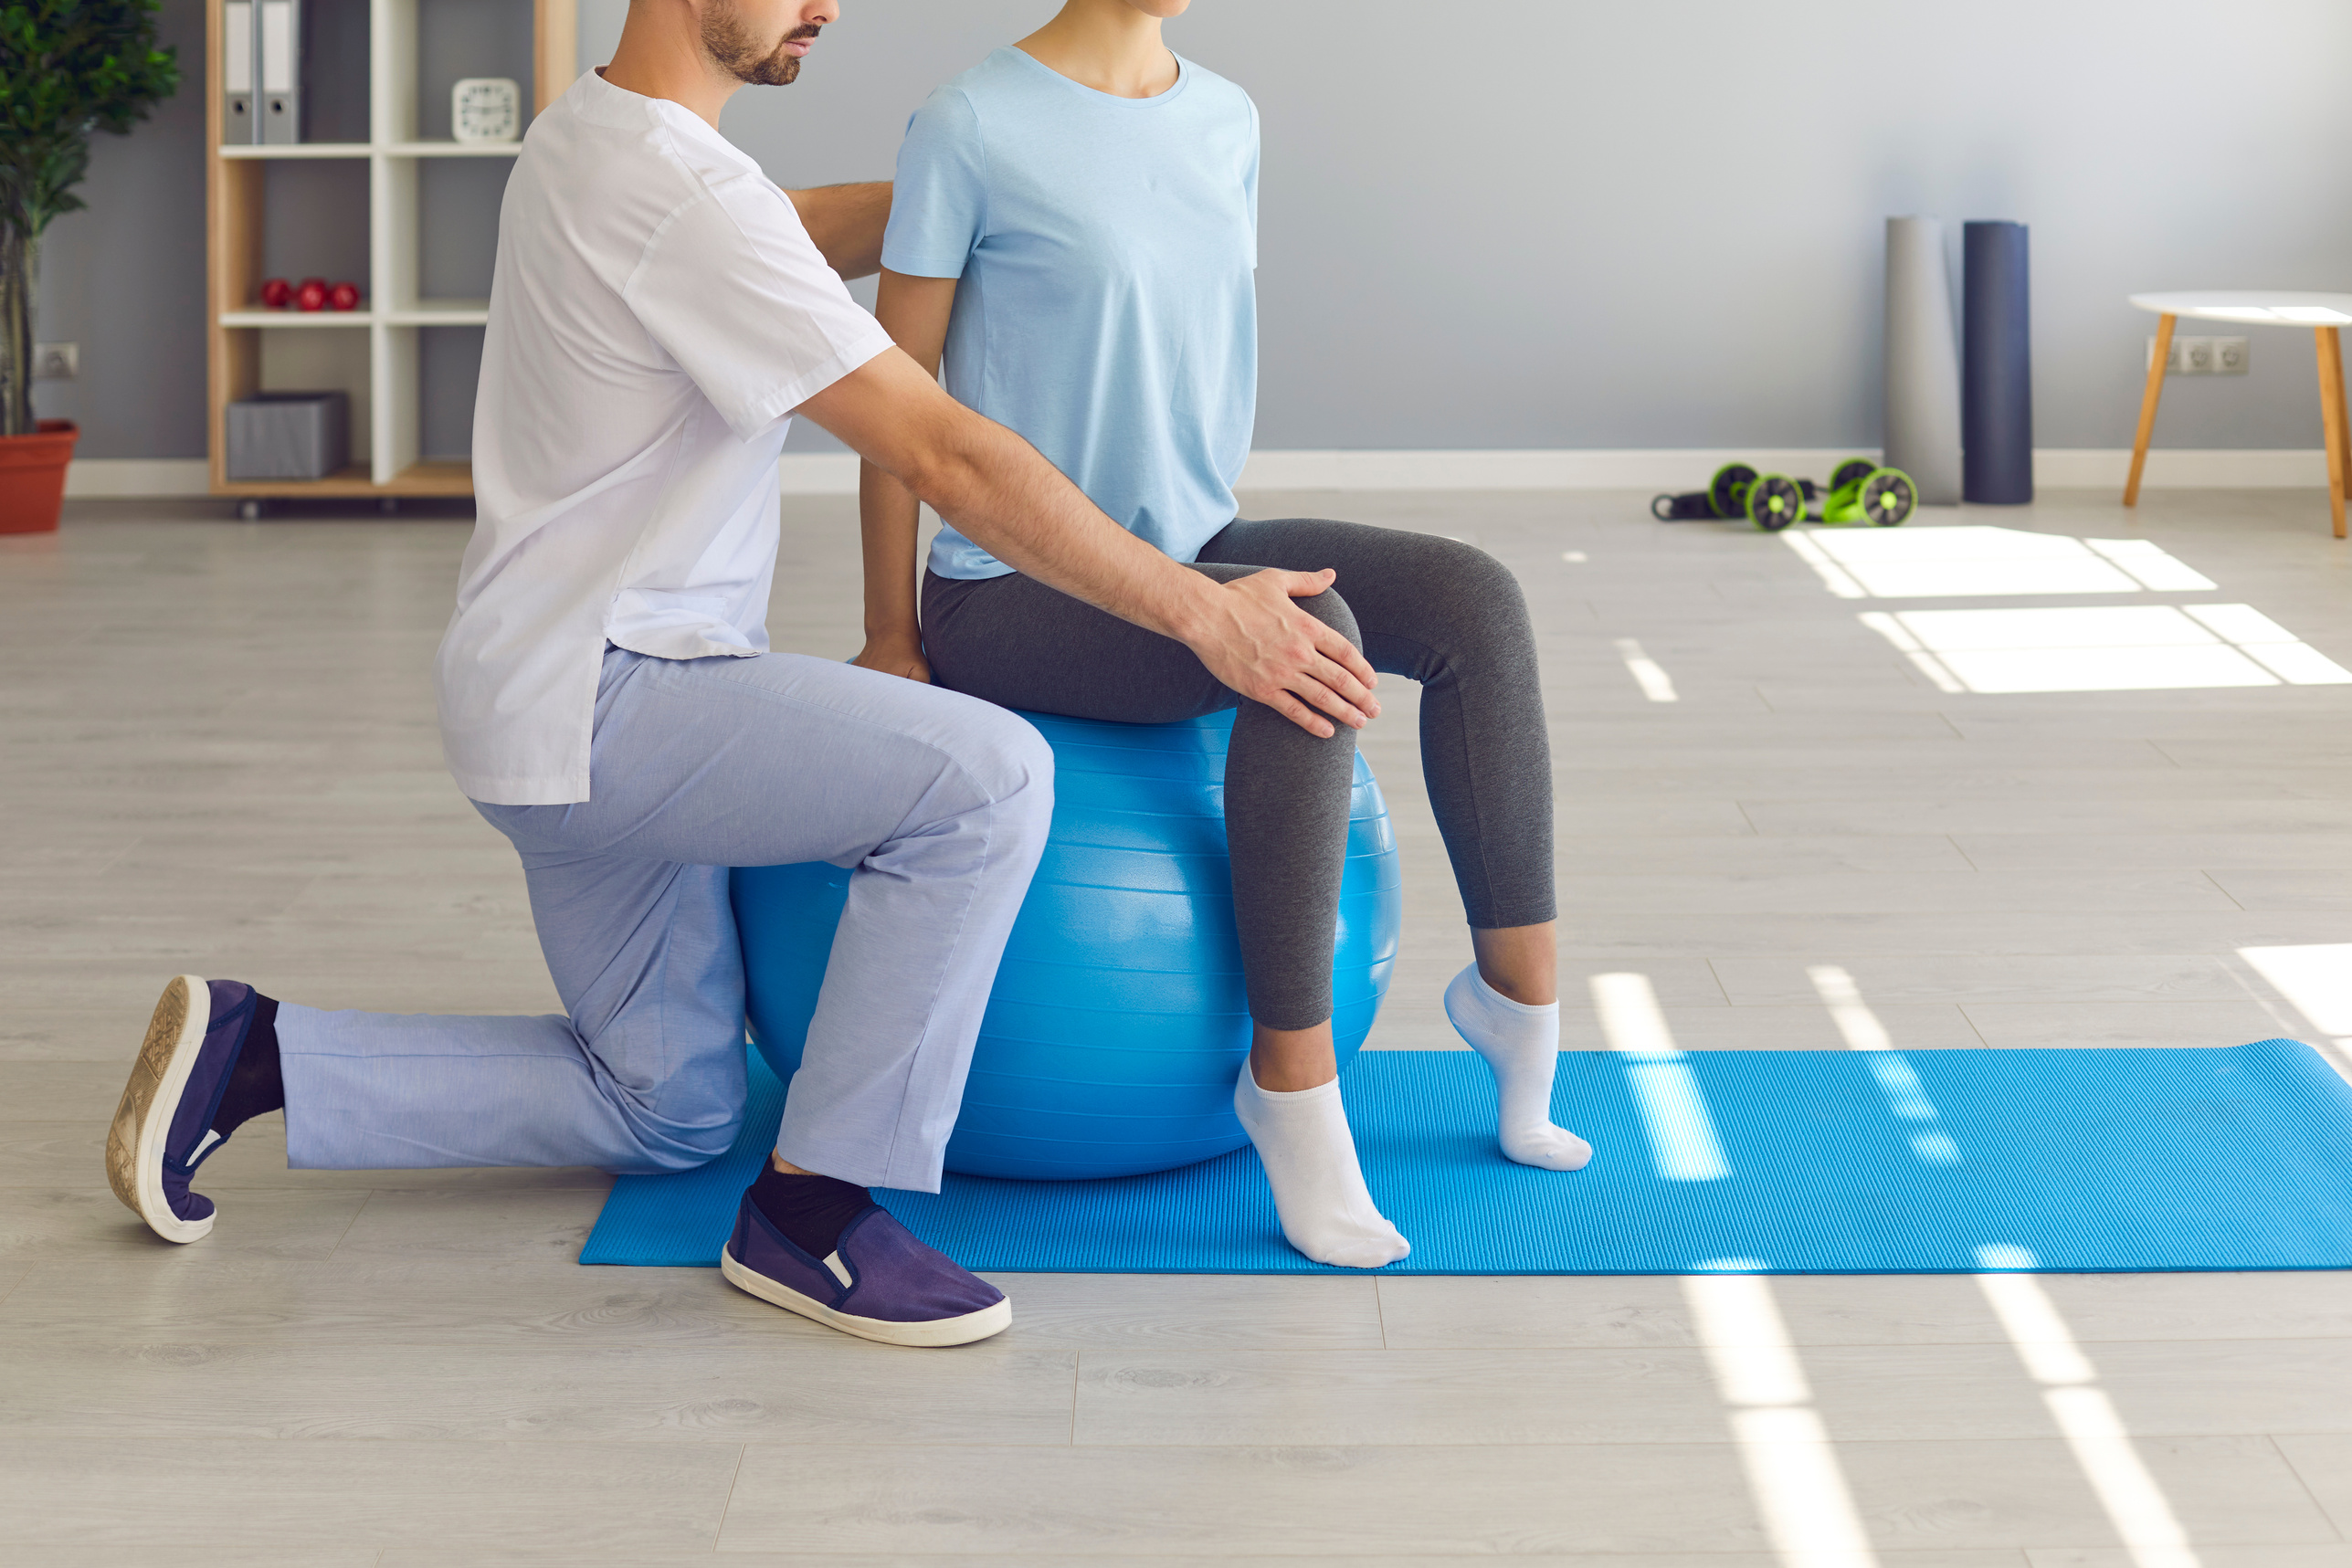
880	1283
162	1129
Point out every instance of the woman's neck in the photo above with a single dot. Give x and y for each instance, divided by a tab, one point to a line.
1106	45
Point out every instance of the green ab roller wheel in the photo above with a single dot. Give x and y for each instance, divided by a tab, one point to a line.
1882	496
1774	501
1727	491
1888	497
1852	471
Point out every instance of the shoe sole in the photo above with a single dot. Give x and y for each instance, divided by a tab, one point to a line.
134	1143
935	1335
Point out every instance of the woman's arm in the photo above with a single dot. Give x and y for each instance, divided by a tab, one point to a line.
915	311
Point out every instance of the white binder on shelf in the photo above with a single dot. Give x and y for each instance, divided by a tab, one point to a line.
280	99
236	74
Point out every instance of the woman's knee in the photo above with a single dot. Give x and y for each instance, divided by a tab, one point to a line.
1467	579
1333	611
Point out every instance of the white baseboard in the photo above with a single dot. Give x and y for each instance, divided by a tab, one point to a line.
1679	469
2217	468
138	477
1661	468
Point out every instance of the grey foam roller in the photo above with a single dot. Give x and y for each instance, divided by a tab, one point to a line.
1923	364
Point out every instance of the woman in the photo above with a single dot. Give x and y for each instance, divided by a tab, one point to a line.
1075	228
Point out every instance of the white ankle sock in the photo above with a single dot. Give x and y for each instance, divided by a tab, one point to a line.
1310	1158
1522	1044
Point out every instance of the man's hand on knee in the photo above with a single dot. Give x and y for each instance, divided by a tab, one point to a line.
1259	644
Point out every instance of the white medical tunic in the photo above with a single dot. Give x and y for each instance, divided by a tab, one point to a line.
656	314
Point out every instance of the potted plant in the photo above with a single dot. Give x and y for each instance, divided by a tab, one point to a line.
68	68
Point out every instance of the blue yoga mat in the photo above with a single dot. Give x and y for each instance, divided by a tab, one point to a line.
1778	1162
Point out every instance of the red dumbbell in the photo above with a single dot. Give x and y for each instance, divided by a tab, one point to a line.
276	293
343	297
312	295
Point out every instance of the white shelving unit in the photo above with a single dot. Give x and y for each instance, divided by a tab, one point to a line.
393	314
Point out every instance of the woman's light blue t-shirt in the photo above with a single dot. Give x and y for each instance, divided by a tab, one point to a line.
1107	310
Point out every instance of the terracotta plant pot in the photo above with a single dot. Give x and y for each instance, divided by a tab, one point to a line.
33	476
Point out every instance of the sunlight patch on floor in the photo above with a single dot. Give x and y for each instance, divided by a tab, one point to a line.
1792	1468
1976	561
1682	1140
2117	647
1906	1097
2315	977
2135	1505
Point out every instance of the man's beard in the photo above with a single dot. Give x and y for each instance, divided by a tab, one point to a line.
732	46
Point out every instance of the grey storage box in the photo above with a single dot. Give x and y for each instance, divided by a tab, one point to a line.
289	434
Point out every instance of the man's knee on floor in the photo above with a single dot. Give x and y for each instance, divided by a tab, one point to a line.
668	1147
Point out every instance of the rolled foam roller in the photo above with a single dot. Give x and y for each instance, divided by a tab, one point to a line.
1923	366
1997	367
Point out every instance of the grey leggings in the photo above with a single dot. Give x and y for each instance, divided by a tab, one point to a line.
1428	608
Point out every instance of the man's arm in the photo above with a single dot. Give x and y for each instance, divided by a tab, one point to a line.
846	223
1014	504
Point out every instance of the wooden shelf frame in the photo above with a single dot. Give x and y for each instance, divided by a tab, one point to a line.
393	314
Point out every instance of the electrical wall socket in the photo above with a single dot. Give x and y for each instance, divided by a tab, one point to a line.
2204	357
56	362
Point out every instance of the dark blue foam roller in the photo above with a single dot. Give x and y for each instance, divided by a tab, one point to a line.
1996	366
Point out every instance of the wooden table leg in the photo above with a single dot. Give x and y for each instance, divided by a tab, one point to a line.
2331	411
2147	407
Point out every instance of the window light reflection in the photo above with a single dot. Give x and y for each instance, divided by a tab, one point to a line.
1792	1469
1975	561
1906	1097
2315	977
1683	1141
2117	647
2135	1505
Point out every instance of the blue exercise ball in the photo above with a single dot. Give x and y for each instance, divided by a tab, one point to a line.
1119	1021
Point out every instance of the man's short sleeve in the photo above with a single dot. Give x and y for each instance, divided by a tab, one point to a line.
736	292
939	206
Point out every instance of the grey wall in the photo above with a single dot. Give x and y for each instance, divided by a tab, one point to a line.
1561	223
126	278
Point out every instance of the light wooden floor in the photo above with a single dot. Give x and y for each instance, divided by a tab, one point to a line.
218	755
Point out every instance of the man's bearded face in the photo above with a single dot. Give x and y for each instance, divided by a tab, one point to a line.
747	57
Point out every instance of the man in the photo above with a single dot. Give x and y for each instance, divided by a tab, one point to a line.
659	312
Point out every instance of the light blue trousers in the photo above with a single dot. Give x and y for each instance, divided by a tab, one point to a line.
939	802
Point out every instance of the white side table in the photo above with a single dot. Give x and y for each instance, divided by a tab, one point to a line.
2325	315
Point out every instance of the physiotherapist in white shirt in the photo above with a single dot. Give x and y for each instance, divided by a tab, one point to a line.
659	312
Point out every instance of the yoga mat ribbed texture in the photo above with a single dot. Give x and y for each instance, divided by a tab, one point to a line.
1996	365
1783	1162
1923	363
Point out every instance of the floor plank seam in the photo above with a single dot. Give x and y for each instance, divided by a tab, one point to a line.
2342	1527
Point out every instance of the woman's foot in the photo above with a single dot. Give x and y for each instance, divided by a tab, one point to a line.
1303	1139
1522	1044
